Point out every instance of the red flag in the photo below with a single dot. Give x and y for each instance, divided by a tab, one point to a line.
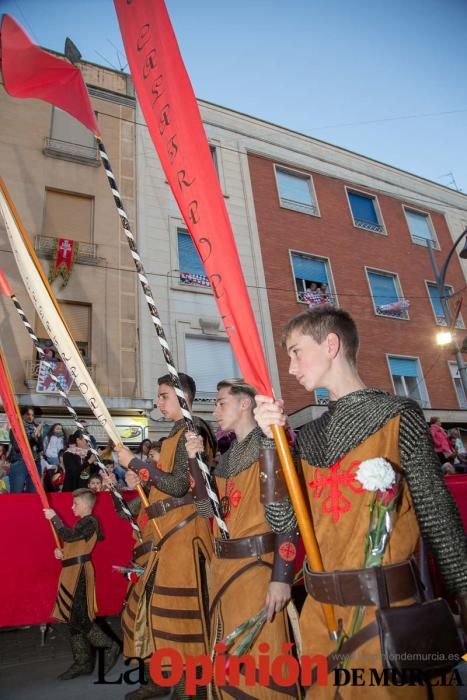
29	71
14	418
174	122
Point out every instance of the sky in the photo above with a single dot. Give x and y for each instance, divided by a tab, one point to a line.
386	80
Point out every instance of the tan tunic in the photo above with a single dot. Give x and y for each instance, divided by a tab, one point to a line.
69	580
340	510
137	637
244	582
176	615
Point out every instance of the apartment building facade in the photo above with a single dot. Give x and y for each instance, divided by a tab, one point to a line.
312	222
51	167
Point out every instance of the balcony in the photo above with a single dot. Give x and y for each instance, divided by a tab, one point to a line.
32	374
45	248
441	321
421	240
193	280
76	152
369	225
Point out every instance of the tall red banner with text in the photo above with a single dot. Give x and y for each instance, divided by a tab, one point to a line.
174	122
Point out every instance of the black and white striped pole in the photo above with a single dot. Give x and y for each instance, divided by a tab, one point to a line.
148	295
5	288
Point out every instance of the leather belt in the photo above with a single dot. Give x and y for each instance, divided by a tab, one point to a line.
82	559
360	586
143	548
244	547
155	510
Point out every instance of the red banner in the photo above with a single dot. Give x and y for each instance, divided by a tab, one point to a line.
174	122
16	423
65	256
29	71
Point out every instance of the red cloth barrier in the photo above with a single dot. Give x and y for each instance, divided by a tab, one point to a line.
29	577
30	572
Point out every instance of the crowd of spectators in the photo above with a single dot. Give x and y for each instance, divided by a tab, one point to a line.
64	461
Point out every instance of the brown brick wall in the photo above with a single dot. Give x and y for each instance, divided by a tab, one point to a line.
349	249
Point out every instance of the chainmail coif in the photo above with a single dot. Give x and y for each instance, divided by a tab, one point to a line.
240	456
352	419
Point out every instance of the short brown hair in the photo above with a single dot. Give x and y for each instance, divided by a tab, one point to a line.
87	495
187	383
320	322
238	386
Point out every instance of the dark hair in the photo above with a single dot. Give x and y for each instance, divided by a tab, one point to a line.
156	445
74	437
237	387
87	495
25	410
319	322
52	428
187	383
96	476
140	448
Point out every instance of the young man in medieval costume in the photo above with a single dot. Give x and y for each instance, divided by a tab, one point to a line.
254	568
76	597
362	429
168	606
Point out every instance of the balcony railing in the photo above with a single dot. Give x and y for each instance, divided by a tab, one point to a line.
87	155
441	321
206	396
299	206
369	225
193	280
45	247
32	373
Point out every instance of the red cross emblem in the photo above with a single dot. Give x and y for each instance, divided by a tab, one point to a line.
287	551
232	496
143	519
143	474
329	481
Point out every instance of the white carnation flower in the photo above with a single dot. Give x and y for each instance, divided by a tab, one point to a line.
376	474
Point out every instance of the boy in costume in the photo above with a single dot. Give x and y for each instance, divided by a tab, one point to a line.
76	597
363	424
168	605
254	559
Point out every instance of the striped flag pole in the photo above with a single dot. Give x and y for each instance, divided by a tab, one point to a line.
148	295
6	289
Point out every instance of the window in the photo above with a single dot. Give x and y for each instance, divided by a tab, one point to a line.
70	140
420	227
191	268
208	361
68	215
78	320
365	211
386	294
296	191
322	396
408	379
437	306
213	150
312	279
461	397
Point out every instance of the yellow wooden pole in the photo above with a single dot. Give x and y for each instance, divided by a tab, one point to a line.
303	517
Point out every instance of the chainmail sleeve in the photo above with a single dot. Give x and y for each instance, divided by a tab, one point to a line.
174	484
280	515
437	514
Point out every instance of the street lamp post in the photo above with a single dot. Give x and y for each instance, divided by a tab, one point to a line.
440	283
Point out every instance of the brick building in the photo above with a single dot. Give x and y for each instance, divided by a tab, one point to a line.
358	243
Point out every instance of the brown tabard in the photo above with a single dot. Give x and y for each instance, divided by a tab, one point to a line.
236	595
340	510
176	615
69	579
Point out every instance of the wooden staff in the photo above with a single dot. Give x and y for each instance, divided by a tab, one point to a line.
303	518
